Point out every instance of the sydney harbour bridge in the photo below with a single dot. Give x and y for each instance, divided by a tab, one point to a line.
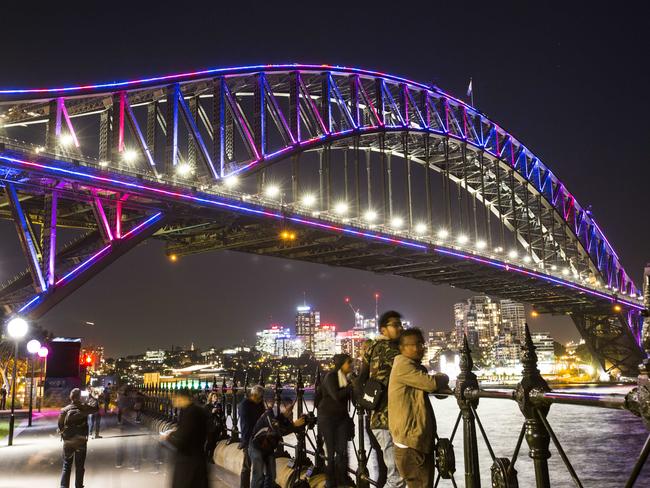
332	165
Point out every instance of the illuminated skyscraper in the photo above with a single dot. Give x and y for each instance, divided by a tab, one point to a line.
479	319
513	320
325	341
307	321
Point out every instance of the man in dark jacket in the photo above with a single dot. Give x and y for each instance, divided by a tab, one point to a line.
334	423
274	424
250	409
73	428
190	468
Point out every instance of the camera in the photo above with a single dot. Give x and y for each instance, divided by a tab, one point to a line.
310	420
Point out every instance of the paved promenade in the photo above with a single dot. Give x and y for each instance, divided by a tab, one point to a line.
127	455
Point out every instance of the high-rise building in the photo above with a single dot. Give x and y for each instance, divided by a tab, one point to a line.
325	341
352	342
513	320
478	318
307	321
545	350
438	341
155	356
267	339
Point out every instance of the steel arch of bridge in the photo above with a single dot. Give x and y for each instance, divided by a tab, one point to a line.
191	133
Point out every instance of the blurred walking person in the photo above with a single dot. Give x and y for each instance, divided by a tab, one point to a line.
73	428
372	388
250	409
3	397
334	423
411	419
190	467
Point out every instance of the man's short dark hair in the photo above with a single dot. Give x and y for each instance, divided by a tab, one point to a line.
386	316
75	394
409	333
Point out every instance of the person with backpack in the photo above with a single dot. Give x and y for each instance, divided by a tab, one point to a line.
73	428
269	430
372	388
334	423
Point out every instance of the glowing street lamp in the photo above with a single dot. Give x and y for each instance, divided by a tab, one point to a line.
463	239
66	139
33	347
42	354
481	244
421	228
443	234
397	222
16	329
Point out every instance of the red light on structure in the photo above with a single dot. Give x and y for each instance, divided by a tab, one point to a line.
347	299
376	295
88	359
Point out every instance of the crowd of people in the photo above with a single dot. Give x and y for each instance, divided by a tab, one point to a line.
391	384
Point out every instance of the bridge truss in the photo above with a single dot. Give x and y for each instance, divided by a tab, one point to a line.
332	165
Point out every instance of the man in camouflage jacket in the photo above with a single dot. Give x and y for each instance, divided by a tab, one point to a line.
377	364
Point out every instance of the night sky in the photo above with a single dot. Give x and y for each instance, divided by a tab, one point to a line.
571	83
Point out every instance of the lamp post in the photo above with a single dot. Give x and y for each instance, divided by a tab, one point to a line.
16	328
33	347
42	353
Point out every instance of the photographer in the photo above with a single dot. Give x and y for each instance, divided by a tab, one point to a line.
334	423
73	428
266	436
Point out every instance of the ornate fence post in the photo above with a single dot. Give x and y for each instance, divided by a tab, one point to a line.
280	451
468	381
234	436
537	437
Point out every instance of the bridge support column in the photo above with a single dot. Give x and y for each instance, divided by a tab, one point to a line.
468	381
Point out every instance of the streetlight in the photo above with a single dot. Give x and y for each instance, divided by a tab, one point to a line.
16	328
42	353
33	347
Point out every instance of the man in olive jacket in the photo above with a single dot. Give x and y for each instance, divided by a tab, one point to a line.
411	421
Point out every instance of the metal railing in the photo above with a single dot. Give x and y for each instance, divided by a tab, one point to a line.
533	396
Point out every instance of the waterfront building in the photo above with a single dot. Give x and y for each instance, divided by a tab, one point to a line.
325	341
352	342
513	320
307	321
479	318
156	356
267	339
545	350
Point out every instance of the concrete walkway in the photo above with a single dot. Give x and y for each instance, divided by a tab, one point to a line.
127	455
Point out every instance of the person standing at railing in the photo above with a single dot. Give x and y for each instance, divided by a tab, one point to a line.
250	409
267	434
190	467
411	419
372	388
334	423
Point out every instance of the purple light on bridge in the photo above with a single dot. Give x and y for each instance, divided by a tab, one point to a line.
374	236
